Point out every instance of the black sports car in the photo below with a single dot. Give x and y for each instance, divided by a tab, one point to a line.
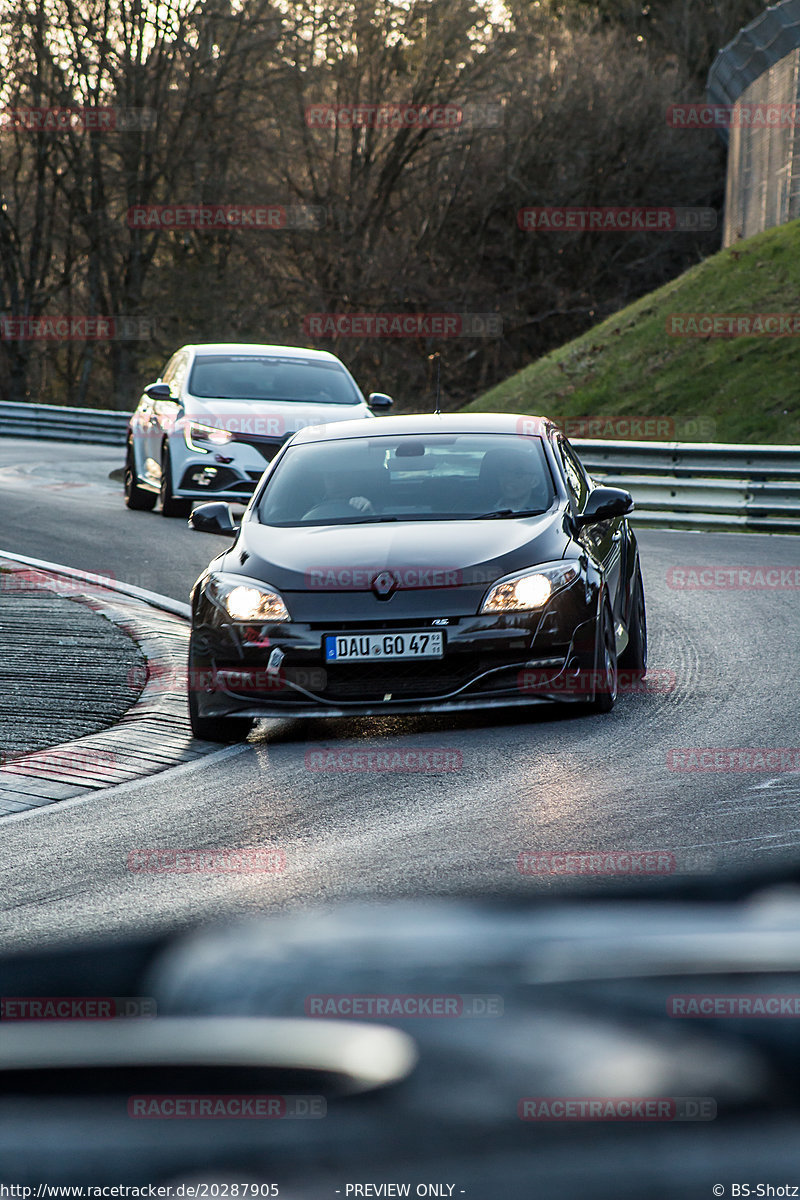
431	564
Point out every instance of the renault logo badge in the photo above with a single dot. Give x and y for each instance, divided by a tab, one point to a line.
384	584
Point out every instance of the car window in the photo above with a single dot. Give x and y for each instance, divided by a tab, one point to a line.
574	474
407	477
170	368
178	372
271	377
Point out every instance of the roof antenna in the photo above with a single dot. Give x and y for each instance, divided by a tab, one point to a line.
438	357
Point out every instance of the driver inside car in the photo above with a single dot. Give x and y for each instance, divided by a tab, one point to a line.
335	499
518	481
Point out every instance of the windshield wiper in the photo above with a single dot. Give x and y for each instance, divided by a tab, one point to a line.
354	520
373	520
265	400
510	512
277	399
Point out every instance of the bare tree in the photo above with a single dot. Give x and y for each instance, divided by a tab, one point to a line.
176	78
417	217
37	252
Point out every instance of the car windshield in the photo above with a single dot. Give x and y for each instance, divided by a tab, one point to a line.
271	377
408	478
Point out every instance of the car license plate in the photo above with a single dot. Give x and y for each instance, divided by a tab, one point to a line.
370	647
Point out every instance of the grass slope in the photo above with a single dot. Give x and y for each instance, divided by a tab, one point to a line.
732	389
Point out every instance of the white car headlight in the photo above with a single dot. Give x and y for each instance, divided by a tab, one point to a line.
529	590
204	437
245	599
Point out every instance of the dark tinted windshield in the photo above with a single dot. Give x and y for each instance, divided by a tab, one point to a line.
436	476
266	377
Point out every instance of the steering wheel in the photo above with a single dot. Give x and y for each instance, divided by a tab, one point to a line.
330	508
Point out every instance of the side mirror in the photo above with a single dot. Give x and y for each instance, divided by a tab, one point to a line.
379	401
214	518
158	391
603	504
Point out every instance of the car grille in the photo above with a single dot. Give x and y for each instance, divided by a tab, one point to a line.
267	450
372	681
402	680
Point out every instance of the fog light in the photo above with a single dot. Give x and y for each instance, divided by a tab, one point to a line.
204	477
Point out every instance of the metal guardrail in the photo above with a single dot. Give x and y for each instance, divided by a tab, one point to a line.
97	425
702	485
683	484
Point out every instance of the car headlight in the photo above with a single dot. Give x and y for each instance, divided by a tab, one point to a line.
205	437
529	590
244	599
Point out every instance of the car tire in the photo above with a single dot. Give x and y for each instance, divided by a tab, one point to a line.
634	656
136	498
171	506
605	664
224	730
211	729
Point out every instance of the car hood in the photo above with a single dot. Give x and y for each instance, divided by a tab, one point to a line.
269	418
422	554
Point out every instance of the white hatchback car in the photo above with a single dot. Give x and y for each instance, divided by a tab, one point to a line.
208	428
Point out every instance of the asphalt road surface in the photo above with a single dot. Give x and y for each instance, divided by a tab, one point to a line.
726	665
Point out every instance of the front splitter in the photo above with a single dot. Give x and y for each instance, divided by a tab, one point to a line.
384	708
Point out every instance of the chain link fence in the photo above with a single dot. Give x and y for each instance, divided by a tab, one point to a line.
755	81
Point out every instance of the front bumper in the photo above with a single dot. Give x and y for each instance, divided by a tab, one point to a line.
489	661
230	474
